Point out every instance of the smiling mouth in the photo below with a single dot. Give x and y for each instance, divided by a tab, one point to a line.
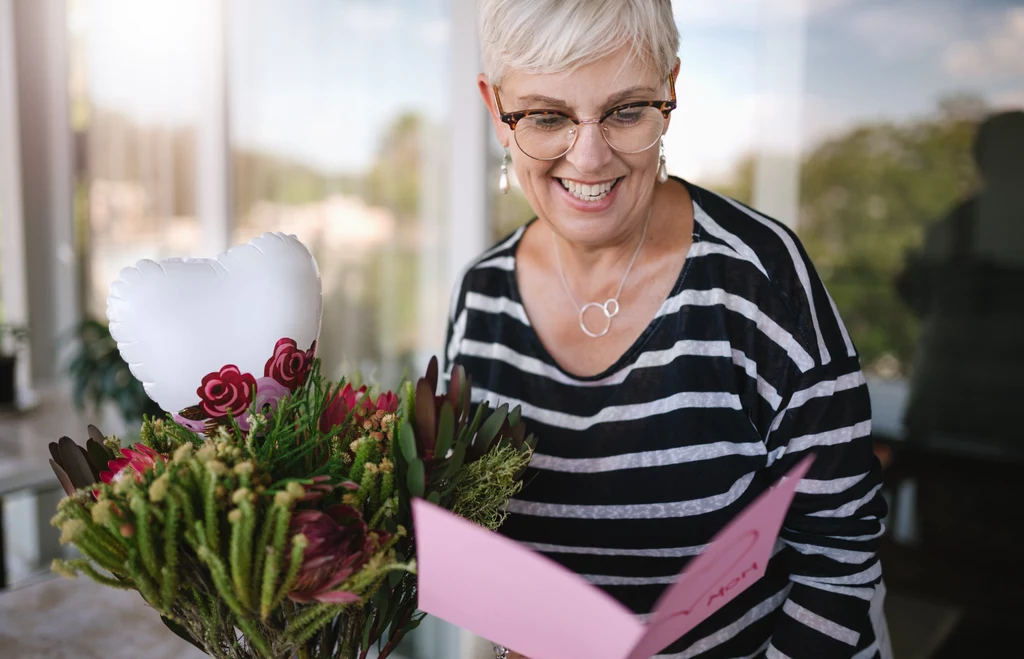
585	192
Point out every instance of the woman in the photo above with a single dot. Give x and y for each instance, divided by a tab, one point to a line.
674	350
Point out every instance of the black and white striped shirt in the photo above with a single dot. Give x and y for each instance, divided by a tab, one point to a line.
745	369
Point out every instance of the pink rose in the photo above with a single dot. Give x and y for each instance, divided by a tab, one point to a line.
289	365
268	393
226	393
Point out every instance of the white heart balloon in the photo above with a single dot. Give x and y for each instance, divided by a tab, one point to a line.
205	336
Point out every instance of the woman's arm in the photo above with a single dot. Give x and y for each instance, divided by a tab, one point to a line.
832	530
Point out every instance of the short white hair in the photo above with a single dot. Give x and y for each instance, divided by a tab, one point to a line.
556	36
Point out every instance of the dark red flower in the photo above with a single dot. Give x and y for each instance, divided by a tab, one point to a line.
388	402
289	365
227	392
356	401
337	410
339	542
139	457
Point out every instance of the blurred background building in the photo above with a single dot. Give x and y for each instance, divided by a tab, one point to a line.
137	129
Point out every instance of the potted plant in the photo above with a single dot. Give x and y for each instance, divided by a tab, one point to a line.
12	338
99	375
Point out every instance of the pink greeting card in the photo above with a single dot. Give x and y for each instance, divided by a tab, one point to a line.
509	594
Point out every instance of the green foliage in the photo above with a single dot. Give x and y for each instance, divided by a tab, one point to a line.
99	374
483	485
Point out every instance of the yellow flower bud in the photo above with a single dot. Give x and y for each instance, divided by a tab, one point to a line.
183	453
125	481
235	516
244	468
101	512
71	531
300	541
240	495
295	490
158	490
216	467
283	499
63	569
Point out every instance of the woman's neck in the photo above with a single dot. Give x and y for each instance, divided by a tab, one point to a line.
594	271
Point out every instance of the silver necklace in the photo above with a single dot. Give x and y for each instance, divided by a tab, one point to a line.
609	307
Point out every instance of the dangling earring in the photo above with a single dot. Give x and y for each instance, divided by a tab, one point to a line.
503	184
662	169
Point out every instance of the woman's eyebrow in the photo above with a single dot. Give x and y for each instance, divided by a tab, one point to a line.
619	97
614	99
540	99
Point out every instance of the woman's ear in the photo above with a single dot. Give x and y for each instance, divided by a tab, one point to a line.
501	129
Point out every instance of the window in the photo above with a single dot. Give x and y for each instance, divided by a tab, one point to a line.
134	69
339	134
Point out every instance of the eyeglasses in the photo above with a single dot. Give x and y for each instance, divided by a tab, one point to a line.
628	128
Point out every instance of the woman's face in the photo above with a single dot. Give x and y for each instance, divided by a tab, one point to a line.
549	185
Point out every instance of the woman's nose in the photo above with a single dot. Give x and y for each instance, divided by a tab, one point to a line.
590	152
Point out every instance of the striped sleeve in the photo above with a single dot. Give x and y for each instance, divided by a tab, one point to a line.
831	533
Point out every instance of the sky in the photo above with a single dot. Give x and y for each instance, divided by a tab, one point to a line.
319	80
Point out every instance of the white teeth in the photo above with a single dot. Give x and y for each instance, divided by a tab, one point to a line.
588	192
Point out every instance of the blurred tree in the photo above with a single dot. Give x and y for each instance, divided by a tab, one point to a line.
393	180
866	196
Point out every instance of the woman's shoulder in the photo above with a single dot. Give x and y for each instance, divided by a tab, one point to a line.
781	278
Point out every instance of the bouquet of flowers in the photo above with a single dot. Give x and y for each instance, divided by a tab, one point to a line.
271	516
289	533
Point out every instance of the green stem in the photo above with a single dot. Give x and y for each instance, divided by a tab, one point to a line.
221	580
86	568
210	512
254	636
298	551
171	539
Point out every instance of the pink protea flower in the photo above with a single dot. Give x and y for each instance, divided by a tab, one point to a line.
140	458
339	542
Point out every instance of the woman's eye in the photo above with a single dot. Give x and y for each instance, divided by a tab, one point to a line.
627	117
549	122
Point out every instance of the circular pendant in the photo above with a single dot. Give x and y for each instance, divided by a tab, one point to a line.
610	309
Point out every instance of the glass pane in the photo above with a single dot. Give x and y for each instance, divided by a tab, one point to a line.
912	212
133	77
343	143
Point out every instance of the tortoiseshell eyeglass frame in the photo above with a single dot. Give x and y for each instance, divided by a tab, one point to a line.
513	118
